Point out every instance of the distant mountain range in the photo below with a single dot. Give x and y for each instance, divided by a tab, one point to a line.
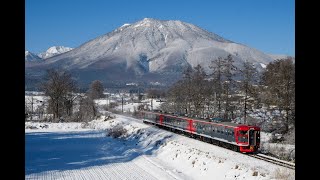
52	51
29	56
145	51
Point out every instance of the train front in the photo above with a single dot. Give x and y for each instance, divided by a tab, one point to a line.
248	138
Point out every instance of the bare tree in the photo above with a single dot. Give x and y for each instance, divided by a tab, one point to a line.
154	93
60	88
188	96
96	90
29	107
177	98
198	85
249	74
87	109
279	78
217	67
228	72
186	88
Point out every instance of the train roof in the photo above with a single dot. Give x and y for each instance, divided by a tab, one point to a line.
223	123
230	124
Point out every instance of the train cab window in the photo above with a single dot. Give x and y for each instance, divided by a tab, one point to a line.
243	136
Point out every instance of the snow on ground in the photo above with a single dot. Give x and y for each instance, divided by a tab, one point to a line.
53	127
130	106
37	100
84	151
281	150
102	102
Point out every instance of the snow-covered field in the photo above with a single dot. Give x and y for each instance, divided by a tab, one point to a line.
84	151
130	106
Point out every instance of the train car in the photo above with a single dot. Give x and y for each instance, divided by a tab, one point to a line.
238	137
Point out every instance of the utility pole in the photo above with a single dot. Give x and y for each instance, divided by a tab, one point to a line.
31	117
107	97
245	108
122	102
151	103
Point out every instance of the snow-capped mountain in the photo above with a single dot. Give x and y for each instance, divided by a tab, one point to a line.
151	48
54	50
29	56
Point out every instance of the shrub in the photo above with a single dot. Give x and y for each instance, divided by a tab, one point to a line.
84	125
117	131
255	173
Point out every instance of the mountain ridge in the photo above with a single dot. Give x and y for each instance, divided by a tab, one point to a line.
54	50
29	56
150	47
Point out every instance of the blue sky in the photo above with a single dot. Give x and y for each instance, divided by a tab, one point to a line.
266	25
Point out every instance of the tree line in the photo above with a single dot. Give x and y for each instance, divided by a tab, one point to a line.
65	102
229	92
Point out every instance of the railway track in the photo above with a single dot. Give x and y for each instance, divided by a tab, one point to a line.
274	160
262	157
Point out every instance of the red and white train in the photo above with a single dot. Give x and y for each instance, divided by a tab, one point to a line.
238	137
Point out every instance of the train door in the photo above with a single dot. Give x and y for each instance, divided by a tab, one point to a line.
161	119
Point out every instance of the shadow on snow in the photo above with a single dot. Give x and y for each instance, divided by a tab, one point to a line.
74	150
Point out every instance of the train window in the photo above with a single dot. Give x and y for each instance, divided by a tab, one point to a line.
243	132
208	127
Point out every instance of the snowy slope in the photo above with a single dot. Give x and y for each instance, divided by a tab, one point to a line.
279	56
29	56
149	46
54	50
142	152
163	43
